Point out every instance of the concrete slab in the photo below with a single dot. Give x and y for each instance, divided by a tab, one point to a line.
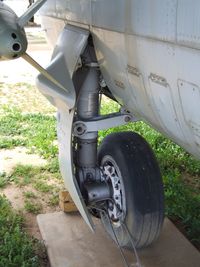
70	243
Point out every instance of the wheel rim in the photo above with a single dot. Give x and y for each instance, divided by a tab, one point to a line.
116	207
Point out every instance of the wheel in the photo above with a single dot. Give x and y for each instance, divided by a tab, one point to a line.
131	169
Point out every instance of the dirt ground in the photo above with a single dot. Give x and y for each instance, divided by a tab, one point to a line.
15	193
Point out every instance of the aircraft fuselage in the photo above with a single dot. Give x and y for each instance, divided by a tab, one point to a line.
148	52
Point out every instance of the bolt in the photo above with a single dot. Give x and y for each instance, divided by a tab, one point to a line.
127	119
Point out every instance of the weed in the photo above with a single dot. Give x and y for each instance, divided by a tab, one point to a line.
16	247
37	176
54	200
22	170
36	131
183	203
108	106
4	180
24	174
30	194
41	133
53	166
11	142
17	95
43	187
11	120
32	207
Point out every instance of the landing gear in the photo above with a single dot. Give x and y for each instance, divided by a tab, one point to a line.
124	181
122	185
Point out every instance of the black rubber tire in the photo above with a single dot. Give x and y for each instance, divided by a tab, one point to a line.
143	188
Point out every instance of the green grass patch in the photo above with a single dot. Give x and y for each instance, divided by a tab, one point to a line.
29	195
36	131
26	170
183	205
53	166
37	177
32	207
54	200
24	174
4	180
11	142
43	187
16	247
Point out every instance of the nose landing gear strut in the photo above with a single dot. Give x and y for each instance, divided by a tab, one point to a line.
123	178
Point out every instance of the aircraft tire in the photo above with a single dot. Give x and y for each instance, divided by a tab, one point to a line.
137	166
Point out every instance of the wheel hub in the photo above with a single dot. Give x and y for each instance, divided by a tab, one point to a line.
112	175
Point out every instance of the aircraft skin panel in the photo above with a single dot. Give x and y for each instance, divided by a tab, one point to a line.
155	101
162	103
174	21
116	78
49	9
144	49
154	19
114	15
72	10
166	62
141	103
53	28
190	99
78	10
188	23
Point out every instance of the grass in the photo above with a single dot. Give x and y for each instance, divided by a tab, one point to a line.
53	166
16	247
43	187
183	206
37	179
54	200
17	94
36	131
32	207
7	142
29	195
4	180
24	174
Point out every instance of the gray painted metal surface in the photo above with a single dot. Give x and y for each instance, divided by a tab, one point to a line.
70	45
149	55
102	123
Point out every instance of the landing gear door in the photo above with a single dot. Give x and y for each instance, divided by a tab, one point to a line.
70	45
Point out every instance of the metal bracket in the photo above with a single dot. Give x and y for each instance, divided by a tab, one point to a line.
81	128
